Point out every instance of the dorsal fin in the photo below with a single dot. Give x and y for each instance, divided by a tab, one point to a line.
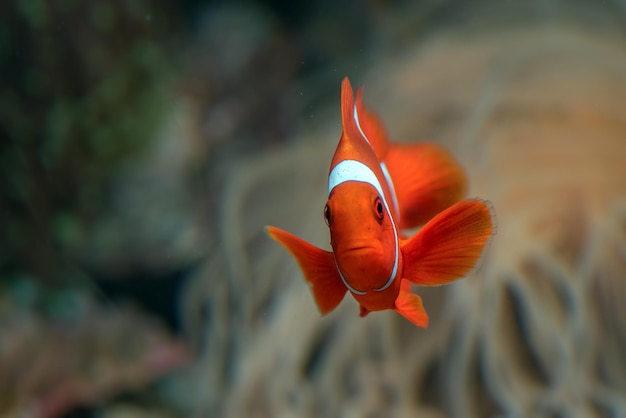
352	145
347	102
371	126
348	124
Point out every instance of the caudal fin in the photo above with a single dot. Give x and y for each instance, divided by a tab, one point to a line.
427	179
318	266
410	306
449	246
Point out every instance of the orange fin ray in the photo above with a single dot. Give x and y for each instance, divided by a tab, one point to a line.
427	179
348	122
449	246
318	267
410	306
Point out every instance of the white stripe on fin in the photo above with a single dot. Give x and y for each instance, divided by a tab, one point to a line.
383	166
358	125
392	190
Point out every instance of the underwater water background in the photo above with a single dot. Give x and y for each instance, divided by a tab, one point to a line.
144	145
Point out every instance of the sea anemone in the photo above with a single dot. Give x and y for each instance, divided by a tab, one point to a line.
535	115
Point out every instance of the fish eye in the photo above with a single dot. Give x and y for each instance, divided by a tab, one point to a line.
379	209
327	215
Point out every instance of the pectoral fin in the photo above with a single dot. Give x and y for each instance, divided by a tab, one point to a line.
410	306
450	245
318	266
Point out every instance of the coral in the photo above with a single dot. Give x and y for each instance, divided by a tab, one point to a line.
51	364
535	115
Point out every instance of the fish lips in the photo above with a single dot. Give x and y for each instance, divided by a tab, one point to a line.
360	248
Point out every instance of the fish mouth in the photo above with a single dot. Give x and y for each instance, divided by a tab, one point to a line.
361	248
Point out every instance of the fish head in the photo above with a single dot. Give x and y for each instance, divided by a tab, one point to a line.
362	235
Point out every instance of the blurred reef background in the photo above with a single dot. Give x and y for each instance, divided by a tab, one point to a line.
144	144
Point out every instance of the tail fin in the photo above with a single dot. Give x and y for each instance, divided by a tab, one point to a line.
449	246
318	266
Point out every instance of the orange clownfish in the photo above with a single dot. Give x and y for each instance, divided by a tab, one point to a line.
376	189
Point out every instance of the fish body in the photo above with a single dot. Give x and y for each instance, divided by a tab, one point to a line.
376	189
